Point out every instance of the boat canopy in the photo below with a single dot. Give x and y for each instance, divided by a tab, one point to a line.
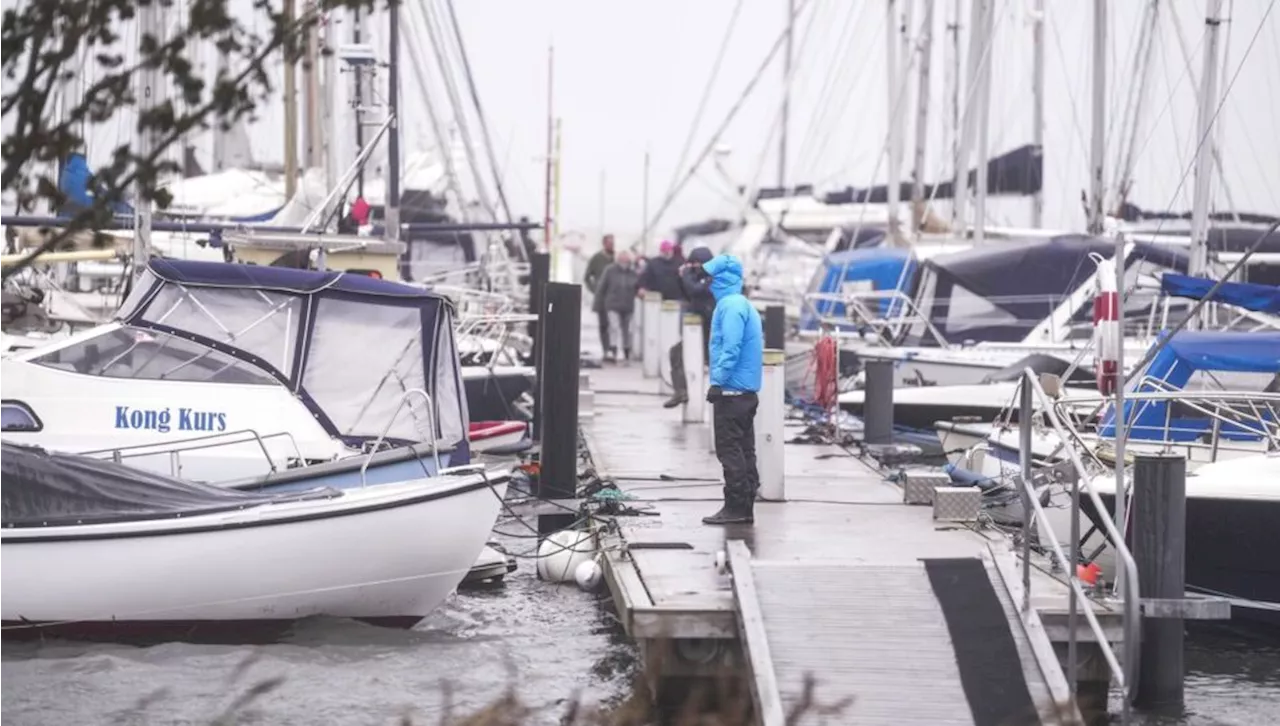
1172	368
998	293
1247	295
46	489
871	269
349	346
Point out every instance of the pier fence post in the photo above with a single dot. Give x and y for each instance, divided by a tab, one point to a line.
695	355
668	335
770	439
1160	551
539	275
558	476
650	355
775	327
877	402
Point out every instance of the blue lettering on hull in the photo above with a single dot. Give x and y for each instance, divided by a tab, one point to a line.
161	419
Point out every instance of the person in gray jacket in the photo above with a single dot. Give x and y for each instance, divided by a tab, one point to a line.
616	297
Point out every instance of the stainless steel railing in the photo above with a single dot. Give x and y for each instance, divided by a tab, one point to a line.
377	445
176	447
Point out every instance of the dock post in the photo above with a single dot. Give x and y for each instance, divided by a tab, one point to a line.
775	327
668	335
558	477
770	439
539	275
650	356
877	402
1160	551
695	354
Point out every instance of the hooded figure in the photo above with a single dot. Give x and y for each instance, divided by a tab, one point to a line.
737	367
699	301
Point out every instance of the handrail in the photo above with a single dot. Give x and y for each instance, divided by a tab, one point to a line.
168	447
435	449
1031	392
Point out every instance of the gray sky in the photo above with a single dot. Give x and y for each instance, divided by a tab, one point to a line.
629	77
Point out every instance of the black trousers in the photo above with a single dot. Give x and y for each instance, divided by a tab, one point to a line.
735	433
678	380
602	318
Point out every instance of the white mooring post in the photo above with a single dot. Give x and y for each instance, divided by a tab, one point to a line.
770	452
668	336
695	409
649	353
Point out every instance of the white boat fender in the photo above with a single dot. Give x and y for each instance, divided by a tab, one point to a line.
560	554
588	575
722	562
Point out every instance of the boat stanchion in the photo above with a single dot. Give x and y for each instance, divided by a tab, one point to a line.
770	451
877	406
539	275
775	327
562	345
695	354
650	355
668	335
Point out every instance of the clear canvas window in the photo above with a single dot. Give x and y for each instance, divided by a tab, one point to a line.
129	352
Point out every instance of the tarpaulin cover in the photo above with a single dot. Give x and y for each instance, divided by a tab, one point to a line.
287	279
1186	353
1247	295
43	489
886	268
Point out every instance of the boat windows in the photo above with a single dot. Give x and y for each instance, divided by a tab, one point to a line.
451	401
18	416
128	352
260	322
362	359
967	311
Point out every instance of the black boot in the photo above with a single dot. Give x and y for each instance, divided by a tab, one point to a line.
730	514
678	398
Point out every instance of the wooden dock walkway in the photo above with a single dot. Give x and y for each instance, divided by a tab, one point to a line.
911	619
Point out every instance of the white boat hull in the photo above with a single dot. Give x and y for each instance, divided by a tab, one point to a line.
388	554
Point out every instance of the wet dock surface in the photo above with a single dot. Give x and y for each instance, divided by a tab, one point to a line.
839	567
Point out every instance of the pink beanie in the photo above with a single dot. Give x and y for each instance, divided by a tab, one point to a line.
666	246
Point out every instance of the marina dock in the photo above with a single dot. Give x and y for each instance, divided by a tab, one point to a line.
900	617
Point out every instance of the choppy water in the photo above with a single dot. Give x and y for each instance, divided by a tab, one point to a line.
551	643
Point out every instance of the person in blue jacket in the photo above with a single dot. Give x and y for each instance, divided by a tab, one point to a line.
737	367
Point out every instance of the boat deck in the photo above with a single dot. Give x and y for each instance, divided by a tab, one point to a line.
911	619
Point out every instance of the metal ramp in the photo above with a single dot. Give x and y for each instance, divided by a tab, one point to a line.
875	637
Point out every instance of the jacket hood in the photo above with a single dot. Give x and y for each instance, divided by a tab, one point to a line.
726	275
700	255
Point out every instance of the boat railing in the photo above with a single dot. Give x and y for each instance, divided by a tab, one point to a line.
1032	396
1228	414
176	447
377	444
864	309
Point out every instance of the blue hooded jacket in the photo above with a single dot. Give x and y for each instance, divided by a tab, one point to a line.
737	337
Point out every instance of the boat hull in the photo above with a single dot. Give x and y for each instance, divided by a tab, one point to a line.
388	555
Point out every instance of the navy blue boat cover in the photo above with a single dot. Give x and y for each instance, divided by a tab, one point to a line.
1247	295
46	489
287	279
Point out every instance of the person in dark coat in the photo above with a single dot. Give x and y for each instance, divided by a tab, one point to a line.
616	300
662	273
599	262
699	301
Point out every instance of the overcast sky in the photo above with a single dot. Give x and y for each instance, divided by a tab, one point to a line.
629	76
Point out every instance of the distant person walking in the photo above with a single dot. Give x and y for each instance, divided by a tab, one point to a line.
662	273
737	367
616	297
595	269
699	301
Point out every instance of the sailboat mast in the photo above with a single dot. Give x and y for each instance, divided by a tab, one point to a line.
1199	261
786	93
1097	161
984	112
895	131
922	119
290	115
311	94
358	97
149	22
1037	92
546	201
392	203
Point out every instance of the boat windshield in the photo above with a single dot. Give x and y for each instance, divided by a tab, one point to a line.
140	354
